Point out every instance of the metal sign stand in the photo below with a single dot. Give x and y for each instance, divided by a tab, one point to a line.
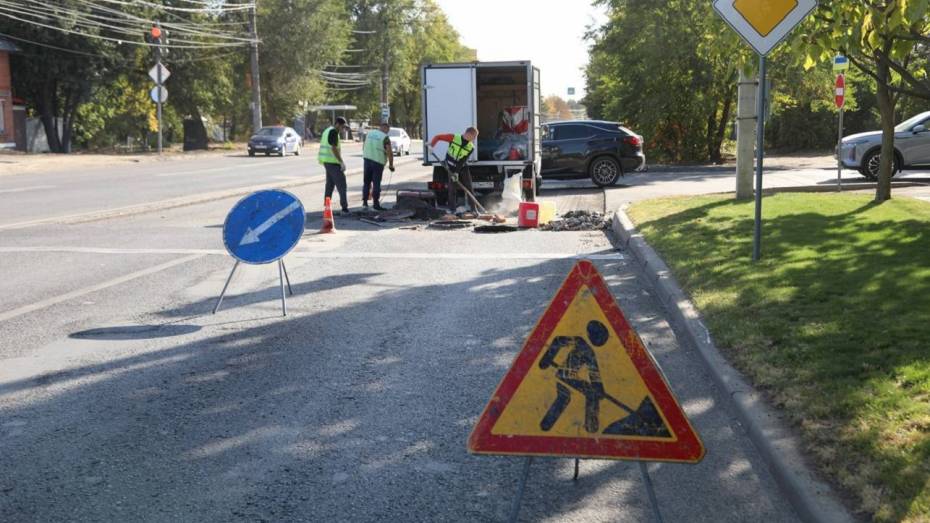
521	488
839	159
282	277
515	508
650	491
760	156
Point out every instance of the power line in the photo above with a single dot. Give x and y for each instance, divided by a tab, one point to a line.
183	45
112	21
51	46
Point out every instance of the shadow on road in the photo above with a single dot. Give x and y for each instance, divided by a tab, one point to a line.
135	332
352	411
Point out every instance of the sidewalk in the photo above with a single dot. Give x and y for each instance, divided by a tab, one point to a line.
780	172
15	162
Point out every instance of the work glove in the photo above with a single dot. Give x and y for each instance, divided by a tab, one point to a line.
391	168
343	165
454	177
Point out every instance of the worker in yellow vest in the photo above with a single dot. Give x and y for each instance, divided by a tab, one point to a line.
376	153
460	148
330	156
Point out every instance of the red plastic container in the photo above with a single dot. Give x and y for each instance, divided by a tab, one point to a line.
529	215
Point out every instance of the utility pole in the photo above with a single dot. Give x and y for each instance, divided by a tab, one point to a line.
745	132
385	71
158	82
256	80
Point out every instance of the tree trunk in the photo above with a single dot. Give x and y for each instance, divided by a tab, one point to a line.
886	107
46	104
715	155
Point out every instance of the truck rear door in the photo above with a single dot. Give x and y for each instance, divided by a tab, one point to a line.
536	146
449	105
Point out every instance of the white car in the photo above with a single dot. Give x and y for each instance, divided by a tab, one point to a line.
400	141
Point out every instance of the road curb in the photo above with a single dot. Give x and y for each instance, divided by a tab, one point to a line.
813	499
173	203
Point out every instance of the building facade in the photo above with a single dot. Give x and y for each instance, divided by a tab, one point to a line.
7	123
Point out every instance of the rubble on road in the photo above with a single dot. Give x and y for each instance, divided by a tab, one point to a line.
492	229
450	224
579	221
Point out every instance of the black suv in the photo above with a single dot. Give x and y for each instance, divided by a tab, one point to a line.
602	151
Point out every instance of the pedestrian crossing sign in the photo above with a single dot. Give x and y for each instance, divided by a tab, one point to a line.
584	386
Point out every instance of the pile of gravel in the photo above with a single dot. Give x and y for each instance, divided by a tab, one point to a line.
579	221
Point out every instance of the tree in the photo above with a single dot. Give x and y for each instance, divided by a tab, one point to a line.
557	108
393	38
432	39
58	70
298	40
886	40
681	96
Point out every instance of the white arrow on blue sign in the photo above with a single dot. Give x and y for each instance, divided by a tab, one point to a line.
263	227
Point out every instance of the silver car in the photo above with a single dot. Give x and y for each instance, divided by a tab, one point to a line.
400	141
911	147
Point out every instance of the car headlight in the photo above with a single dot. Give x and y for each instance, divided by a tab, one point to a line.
856	143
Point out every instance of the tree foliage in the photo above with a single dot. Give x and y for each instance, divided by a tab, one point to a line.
886	40
555	108
666	68
393	39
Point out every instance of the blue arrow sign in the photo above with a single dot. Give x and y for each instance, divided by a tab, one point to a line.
263	227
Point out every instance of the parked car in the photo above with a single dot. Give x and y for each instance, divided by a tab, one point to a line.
602	151
911	148
400	141
277	139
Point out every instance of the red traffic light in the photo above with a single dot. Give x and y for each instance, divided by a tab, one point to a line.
156	32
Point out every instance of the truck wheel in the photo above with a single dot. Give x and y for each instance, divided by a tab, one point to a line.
441	176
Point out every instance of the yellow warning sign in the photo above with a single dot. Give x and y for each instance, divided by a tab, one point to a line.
765	15
763	24
584	385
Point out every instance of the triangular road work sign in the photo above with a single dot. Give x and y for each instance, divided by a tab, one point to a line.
584	386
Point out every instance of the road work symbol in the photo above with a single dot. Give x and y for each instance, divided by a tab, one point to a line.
263	227
585	386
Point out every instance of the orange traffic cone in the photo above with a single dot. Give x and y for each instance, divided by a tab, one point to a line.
329	223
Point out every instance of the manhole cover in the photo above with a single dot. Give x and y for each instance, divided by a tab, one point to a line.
494	229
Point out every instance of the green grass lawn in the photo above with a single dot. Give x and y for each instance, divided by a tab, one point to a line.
833	324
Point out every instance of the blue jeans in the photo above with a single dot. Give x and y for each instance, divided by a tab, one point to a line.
374	172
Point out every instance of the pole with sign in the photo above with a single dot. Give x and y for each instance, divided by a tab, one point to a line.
841	104
763	24
840	66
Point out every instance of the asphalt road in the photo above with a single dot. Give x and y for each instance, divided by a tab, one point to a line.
122	398
68	192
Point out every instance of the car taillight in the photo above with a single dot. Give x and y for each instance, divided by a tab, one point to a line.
436	186
635	141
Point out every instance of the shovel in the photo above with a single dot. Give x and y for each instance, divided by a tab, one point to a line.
469	193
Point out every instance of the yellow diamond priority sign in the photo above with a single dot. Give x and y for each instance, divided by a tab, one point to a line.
763	24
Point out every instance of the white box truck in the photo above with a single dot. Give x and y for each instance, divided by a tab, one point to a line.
500	99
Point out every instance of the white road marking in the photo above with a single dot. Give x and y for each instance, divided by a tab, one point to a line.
456	256
25	189
106	250
26	309
305	254
172	203
251	164
252	236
